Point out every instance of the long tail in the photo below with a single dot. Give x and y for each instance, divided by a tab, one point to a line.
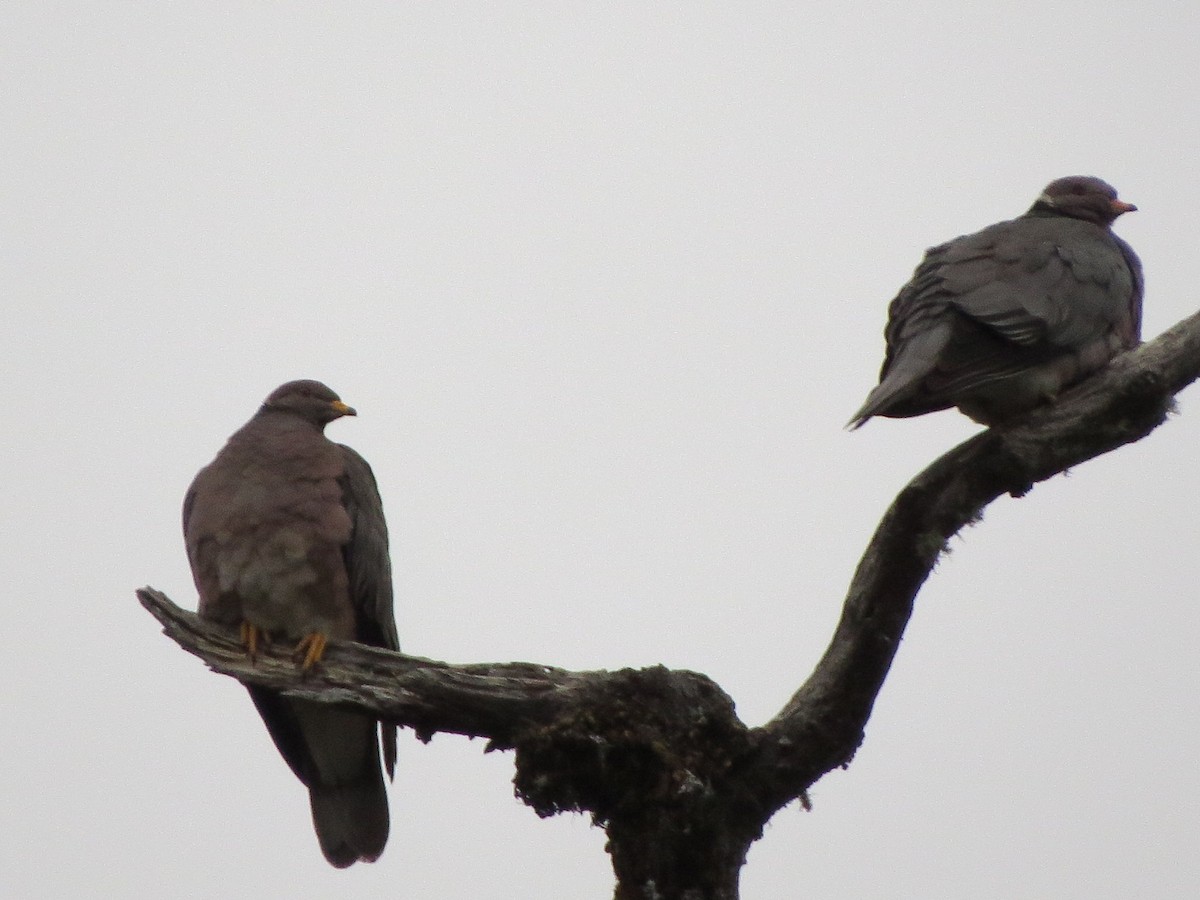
335	752
345	784
351	820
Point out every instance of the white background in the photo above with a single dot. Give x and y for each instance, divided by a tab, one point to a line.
604	287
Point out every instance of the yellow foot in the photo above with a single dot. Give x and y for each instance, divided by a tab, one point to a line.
310	650
253	638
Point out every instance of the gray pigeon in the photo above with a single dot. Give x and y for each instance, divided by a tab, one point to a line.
1000	321
286	539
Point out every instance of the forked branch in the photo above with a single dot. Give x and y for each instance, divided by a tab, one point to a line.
659	757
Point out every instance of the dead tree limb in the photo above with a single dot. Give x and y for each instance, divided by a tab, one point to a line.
658	757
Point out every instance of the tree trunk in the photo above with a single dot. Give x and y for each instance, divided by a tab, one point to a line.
661	857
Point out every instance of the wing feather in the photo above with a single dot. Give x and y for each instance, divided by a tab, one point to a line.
369	567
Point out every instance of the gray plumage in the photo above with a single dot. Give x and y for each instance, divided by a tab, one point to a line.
1000	321
286	538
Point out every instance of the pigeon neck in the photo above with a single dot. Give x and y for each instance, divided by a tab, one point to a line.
291	417
1042	210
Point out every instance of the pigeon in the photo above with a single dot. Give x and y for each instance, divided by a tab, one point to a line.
1002	320
287	541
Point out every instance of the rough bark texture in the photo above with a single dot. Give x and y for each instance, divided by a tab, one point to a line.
658	757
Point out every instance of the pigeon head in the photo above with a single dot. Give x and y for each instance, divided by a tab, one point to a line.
1082	197
310	400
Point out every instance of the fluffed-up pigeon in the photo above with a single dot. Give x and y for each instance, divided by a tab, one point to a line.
1000	321
286	538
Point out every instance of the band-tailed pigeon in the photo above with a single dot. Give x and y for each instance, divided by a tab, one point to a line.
286	538
1000	321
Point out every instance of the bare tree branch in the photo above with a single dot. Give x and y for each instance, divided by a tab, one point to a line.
658	757
484	700
821	726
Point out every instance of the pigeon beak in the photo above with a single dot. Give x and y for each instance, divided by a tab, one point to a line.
343	409
1120	206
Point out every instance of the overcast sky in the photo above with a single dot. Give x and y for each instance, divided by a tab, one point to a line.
604	288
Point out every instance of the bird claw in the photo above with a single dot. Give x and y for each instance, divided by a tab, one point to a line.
253	638
310	650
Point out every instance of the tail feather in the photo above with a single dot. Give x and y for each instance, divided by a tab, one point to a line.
877	403
351	820
335	752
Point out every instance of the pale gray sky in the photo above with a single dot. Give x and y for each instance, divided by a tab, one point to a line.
604	286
